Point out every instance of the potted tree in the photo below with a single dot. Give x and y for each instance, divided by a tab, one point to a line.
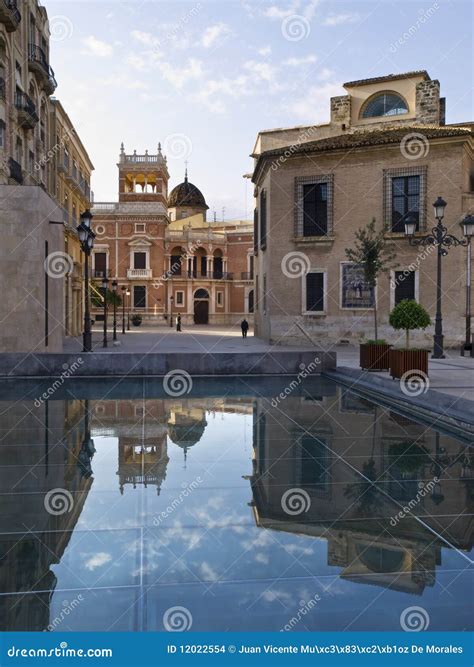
408	315
136	320
372	253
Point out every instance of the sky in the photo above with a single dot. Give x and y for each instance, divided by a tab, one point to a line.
204	77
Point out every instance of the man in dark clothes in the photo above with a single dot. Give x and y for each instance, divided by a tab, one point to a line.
178	323
244	325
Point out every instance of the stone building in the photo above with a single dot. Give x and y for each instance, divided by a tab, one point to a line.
162	248
386	153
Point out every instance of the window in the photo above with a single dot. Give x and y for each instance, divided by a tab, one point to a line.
314	292
179	298
175	265
313	205
404	285
251	301
139	296
2	133
355	292
256	300
405	200
19	150
220	298
263	220
255	230
315	209
385	104
139	260
264	295
18	74
100	264
139	227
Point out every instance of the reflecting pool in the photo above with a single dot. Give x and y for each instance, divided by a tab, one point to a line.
124	508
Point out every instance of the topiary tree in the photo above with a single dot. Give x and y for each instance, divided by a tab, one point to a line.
409	315
372	253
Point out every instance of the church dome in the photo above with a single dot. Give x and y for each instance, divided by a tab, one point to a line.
186	194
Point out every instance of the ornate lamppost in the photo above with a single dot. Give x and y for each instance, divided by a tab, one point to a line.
124	291
128	293
105	284
114	293
468	228
86	237
171	311
438	237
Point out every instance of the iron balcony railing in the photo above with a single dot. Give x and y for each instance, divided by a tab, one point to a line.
25	105
15	170
209	275
246	275
10	14
37	56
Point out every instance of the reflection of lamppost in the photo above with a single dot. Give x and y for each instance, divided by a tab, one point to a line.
105	283
86	237
114	294
87	447
440	238
124	291
171	311
468	228
440	463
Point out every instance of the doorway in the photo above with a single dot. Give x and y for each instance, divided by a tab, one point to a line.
201	307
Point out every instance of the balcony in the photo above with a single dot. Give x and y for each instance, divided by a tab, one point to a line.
15	170
209	275
139	274
246	275
9	15
27	116
38	63
3	90
97	273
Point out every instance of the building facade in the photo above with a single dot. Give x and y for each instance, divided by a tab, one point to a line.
385	154
162	248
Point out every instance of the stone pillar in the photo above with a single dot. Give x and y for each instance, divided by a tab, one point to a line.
341	110
428	106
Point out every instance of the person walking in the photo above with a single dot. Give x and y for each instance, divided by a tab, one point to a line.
244	325
178	323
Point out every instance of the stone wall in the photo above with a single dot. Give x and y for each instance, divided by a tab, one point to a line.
428	106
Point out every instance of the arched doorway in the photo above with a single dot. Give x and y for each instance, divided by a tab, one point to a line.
201	306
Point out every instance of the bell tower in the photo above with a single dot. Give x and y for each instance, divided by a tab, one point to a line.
143	178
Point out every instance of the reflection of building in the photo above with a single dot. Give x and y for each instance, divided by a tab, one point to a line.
163	248
312	453
386	153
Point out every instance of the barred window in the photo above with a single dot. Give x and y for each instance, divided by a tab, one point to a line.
404	285
263	219
404	194
314	292
313	206
255	230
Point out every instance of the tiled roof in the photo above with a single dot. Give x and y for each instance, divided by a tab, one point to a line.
389	77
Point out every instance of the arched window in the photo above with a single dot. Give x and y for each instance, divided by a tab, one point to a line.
201	294
385	104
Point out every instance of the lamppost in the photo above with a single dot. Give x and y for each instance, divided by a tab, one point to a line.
440	238
124	291
86	237
171	311
128	293
105	283
114	292
468	228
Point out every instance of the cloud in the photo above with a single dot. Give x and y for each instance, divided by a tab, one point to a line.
278	13
214	33
296	62
96	47
98	560
178	76
259	70
145	38
266	51
340	19
313	106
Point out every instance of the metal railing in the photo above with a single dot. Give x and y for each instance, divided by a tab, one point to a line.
209	275
246	275
25	104
15	170
37	55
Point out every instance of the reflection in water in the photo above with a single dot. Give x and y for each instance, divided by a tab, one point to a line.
388	497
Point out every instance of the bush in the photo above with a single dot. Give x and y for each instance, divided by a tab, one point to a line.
409	315
136	320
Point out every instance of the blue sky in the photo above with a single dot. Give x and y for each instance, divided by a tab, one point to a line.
204	77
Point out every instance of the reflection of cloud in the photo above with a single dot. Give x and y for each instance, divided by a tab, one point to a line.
207	573
97	560
262	558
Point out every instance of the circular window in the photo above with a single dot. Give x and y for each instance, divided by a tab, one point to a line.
100	229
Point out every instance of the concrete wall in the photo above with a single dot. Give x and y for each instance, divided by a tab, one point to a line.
28	237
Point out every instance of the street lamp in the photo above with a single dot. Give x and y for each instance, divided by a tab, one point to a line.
171	311
105	283
114	290
440	238
86	238
128	310
124	291
467	225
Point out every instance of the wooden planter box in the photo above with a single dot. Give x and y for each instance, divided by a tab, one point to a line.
375	357
402	361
